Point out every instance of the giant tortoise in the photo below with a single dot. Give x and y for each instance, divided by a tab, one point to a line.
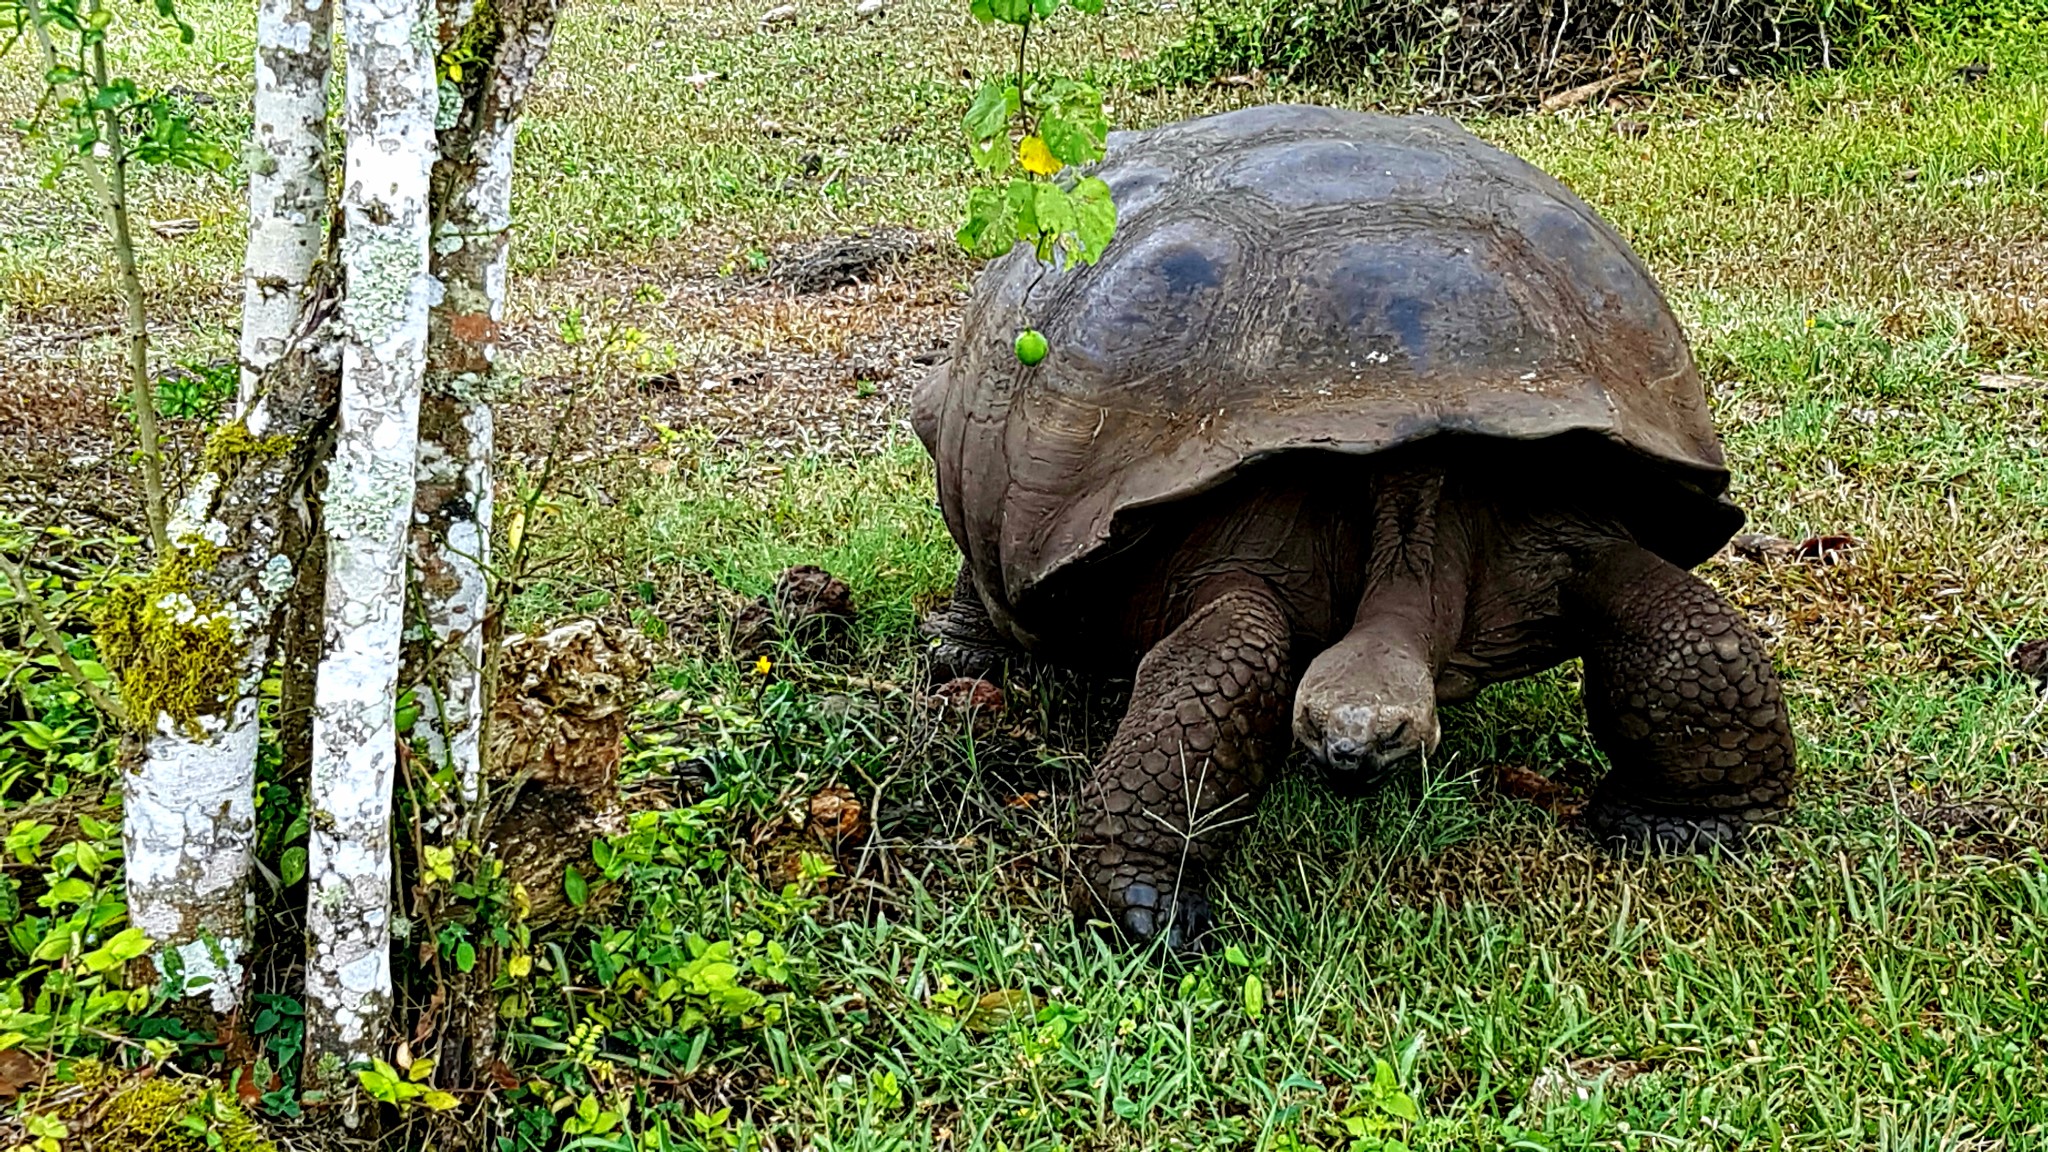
1356	416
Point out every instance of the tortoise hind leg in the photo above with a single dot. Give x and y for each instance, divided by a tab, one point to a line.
1683	699
1208	714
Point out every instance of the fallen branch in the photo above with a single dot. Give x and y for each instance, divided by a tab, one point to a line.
1572	97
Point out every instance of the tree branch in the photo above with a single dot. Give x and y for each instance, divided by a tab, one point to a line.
52	640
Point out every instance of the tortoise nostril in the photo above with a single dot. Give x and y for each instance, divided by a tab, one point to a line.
1345	747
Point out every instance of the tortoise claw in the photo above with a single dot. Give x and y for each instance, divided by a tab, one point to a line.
1144	911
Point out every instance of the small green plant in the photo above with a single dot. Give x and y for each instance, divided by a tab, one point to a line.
65	984
383	1083
1049	126
196	391
279	1026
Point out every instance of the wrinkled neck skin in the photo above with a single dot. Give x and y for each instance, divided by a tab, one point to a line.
1464	586
1408	583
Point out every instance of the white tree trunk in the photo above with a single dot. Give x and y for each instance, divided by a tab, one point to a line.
452	521
390	151
189	816
287	175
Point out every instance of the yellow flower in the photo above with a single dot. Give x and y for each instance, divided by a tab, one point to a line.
762	666
1036	157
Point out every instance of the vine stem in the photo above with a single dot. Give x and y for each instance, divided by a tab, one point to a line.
1023	38
110	188
47	633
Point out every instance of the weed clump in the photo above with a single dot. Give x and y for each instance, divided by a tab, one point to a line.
1512	52
161	1113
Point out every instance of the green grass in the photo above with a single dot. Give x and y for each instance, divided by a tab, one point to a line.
1854	253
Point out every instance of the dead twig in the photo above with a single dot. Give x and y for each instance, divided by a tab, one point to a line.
1571	97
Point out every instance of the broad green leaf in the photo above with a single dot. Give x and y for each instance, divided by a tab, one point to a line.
1401	1105
1091	7
54	945
1094	216
72	891
291	865
574	886
1011	11
128	944
986	211
465	956
991	112
1021	198
438	1101
1074	126
1054	214
992	155
1254	996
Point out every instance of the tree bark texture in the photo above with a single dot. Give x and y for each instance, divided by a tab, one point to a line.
391	106
189	806
499	48
505	44
188	811
287	174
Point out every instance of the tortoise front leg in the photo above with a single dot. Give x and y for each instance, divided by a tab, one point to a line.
968	643
1683	699
1208	714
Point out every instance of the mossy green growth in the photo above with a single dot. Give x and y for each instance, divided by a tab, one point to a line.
232	443
178	1114
176	650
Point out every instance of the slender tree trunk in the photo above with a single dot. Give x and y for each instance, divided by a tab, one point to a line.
189	647
390	130
189	805
509	41
501	45
287	174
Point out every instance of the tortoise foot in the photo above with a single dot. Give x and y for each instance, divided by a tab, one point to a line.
1625	827
1146	900
1683	698
1208	711
968	646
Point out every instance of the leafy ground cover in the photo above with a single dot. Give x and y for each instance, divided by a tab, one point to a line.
1858	255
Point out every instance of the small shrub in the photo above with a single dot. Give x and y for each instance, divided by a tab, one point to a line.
1513	51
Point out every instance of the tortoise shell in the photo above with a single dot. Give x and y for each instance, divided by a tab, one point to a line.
1290	279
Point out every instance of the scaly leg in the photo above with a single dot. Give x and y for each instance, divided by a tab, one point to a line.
1369	701
1683	699
1208	715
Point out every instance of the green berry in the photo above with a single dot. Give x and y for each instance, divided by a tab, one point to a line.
1031	346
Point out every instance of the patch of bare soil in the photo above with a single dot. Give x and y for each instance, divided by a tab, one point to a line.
618	354
611	354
